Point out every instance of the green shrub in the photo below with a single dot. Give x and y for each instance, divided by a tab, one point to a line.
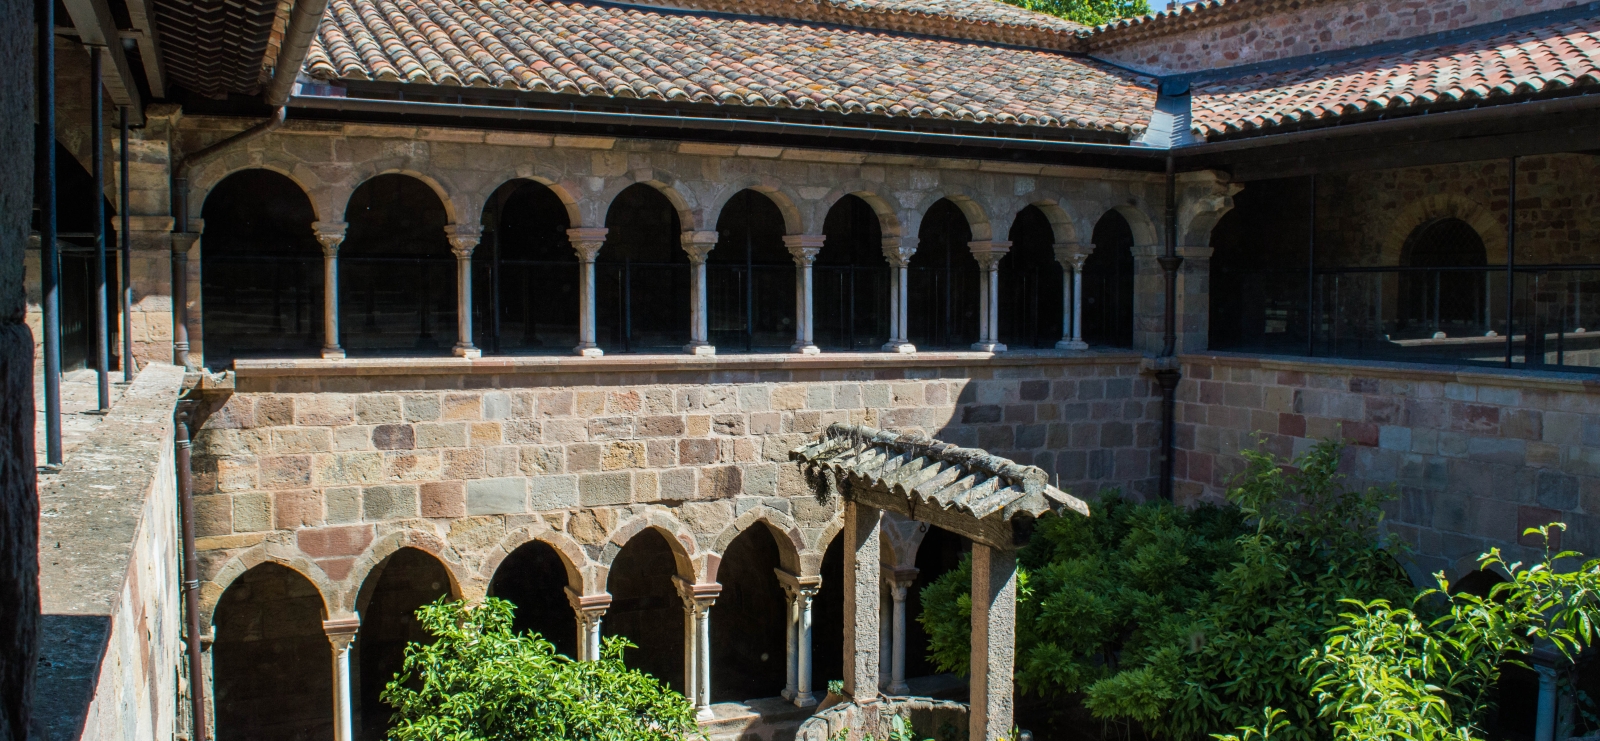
479	681
1087	12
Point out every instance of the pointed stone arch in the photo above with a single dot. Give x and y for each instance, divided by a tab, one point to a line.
690	214
791	543
566	192
212	175
688	562
289	557
382	548
889	221
970	205
580	571
786	201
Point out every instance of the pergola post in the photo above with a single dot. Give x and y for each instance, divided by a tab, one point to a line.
698	245
994	620
804	249
463	239
341	633
863	573
588	609
587	243
331	235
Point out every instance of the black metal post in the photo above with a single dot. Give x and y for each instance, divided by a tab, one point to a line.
749	292
44	178
627	305
1511	259
127	362
102	301
1311	270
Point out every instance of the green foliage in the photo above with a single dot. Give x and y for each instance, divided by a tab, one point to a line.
479	681
1427	672
1087	12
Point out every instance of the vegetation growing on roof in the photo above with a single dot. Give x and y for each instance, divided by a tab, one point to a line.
1087	12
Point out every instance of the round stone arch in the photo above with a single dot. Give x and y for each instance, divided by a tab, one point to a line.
969	204
452	202
580	571
687	561
386	546
1490	228
784	531
785	200
546	176
212	589
888	218
595	208
212	175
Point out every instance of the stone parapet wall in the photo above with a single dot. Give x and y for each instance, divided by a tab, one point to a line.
329	465
1476	456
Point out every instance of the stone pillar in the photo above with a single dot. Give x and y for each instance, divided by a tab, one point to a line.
994	624
697	602
699	246
804	249
1071	256
587	242
801	590
182	242
863	574
463	239
900	583
1194	298
988	255
1544	721
898	252
331	235
588	609
341	633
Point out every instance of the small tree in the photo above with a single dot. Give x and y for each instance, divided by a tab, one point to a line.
479	681
1087	12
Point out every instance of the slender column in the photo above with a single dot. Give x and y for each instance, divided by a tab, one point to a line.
804	249
181	243
1071	256
863	574
463	238
697	602
124	235
588	609
900	584
341	633
331	235
102	300
898	251
1544	723
885	637
699	246
791	647
988	255
800	590
994	616
587	243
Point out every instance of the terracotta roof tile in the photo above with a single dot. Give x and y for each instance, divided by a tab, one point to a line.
1546	59
632	52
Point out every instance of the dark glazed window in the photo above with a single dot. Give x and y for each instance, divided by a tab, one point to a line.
1030	284
261	270
750	277
1452	302
397	293
642	272
525	274
943	306
1108	284
850	280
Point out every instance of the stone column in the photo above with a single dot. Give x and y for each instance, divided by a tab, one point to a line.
587	242
697	602
182	242
863	574
331	235
699	246
1544	718
463	239
898	251
588	609
341	633
988	255
804	249
1071	256
900	583
801	590
994	624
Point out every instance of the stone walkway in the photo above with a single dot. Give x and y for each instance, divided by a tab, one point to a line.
78	402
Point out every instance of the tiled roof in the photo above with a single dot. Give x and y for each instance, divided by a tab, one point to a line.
615	51
981	20
1541	60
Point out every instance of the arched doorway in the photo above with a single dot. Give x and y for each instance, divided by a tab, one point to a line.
646	609
1258	269
534	578
943	302
397	276
750	278
260	270
272	675
1108	284
405	581
827	620
850	280
642	275
1441	302
524	273
749	621
1030	284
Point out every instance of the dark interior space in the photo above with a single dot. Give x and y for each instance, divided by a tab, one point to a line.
1108	284
405	581
75	199
1258	269
534	579
748	645
642	275
1031	296
525	274
646	609
827	620
939	554
850	280
750	278
943	305
397	276
1449	301
272	664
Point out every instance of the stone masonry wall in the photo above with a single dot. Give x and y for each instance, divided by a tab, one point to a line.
1476	456
1219	37
328	472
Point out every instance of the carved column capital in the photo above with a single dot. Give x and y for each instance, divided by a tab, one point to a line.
898	250
341	631
587	241
989	252
804	247
463	238
331	234
183	241
697	596
588	605
1072	254
698	245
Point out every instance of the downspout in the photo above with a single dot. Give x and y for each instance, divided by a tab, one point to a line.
1167	372
191	572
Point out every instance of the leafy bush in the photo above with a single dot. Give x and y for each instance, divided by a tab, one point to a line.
479	681
1087	12
1189	622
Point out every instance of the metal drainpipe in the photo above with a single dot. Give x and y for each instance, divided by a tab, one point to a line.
1167	373
191	572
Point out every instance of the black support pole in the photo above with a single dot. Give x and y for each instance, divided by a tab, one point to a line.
1511	260
102	301
49	252
127	362
1311	270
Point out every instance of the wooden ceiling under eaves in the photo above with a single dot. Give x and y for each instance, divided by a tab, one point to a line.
216	47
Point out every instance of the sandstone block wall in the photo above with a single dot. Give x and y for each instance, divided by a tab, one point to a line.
1476	456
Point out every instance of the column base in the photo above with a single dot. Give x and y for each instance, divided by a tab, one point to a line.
899	688
1072	345
703	714
333	353
806	700
988	347
805	349
788	693
588	352
700	348
899	346
467	351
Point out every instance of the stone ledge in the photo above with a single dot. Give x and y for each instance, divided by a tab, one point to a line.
1567	381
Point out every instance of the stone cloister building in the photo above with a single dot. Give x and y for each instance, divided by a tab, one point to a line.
558	302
